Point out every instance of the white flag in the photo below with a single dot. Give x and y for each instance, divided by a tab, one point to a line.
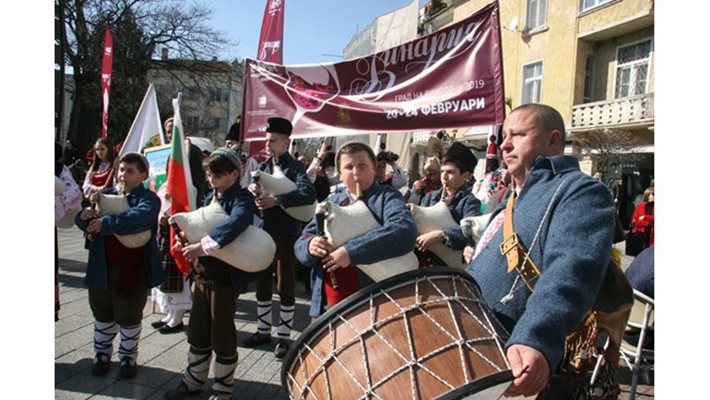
146	130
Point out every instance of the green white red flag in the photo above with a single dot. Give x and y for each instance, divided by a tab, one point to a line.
179	184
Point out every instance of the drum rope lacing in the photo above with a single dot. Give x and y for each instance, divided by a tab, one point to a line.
410	364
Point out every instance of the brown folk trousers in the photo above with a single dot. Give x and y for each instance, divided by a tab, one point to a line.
212	318
125	297
285	266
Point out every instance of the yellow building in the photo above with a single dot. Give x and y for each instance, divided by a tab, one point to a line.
592	60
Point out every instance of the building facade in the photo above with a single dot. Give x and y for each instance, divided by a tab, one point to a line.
211	94
593	60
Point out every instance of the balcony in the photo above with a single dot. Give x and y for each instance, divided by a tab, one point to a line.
627	112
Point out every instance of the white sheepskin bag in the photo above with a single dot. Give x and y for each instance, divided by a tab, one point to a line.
473	227
252	251
434	218
279	184
115	204
345	223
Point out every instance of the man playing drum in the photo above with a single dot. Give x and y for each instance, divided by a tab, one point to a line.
355	162
566	220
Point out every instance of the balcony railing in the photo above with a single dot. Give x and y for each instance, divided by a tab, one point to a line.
627	111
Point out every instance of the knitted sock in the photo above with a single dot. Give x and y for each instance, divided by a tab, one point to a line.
198	367
130	334
263	312
285	321
224	374
175	317
104	333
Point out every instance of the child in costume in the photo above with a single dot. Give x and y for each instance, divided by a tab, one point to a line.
119	277
211	327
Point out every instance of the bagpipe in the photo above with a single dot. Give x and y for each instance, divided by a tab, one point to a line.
252	251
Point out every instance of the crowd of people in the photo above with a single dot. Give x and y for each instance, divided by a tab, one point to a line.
525	170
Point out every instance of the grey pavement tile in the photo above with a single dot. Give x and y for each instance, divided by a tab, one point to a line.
69	295
76	324
126	389
81	338
60	394
61	373
76	361
86	384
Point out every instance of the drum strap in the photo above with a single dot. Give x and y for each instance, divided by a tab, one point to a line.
514	250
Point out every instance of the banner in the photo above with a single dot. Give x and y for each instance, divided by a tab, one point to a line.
272	32
146	129
448	79
106	70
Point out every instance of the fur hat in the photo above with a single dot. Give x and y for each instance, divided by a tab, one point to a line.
461	156
432	164
279	125
233	133
385	155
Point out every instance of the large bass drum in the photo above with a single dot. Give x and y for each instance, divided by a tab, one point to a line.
423	334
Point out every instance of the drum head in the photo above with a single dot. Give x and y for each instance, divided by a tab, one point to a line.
353	300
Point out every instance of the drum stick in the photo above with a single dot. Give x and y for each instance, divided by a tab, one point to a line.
320	231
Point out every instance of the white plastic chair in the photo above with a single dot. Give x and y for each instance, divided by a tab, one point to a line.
642	317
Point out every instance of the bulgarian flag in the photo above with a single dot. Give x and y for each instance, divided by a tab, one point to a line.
179	185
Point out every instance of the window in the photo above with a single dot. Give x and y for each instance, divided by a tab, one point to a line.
585	5
632	65
191	123
221	94
224	94
532	83
190	93
537	14
218	124
589	70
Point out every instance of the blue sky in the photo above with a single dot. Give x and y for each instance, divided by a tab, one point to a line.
312	28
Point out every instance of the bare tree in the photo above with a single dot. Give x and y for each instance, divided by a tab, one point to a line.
609	147
140	28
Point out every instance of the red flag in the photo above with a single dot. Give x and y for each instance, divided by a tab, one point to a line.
179	184
270	50
272	32
106	70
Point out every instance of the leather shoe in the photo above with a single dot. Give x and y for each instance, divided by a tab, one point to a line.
101	364
167	329
257	339
180	392
128	368
281	348
158	324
